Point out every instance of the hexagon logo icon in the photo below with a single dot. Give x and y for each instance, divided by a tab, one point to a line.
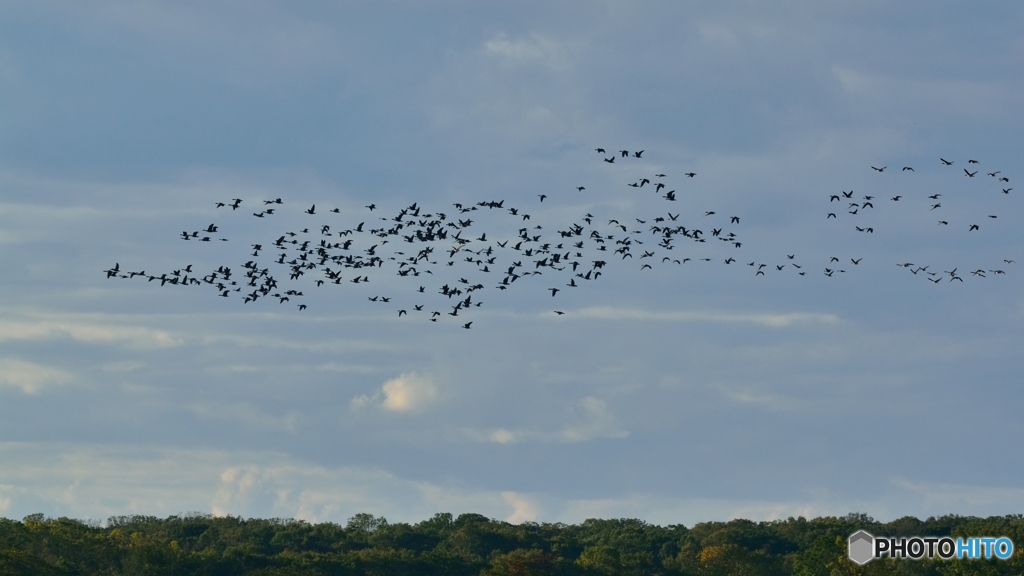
861	547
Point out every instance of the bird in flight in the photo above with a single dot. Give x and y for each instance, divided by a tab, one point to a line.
532	252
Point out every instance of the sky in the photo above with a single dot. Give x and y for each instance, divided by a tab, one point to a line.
680	393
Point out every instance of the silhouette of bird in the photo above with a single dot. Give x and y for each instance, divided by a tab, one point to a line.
535	251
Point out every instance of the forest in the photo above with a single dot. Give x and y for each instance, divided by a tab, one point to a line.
471	544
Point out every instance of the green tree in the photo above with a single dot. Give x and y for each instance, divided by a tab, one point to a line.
522	562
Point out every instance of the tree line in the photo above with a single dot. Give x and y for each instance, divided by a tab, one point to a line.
471	545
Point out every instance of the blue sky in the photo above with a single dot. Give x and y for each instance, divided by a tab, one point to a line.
690	392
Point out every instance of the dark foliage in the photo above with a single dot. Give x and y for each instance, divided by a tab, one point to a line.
472	544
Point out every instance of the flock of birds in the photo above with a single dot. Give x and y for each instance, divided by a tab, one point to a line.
853	207
448	259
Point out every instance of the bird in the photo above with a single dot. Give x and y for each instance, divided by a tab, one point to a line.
404	242
882	169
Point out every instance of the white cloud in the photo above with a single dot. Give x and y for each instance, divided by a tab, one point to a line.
503	436
732	35
533	49
936	497
524	509
967	96
245	414
92	333
101	481
592	420
597	422
5	501
410	392
782	320
30	378
246	42
123	367
748	395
